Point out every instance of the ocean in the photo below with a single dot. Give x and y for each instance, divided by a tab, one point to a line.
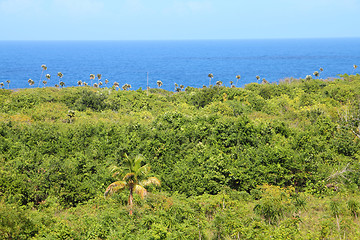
182	62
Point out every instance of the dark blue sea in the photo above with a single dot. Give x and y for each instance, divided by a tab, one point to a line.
181	62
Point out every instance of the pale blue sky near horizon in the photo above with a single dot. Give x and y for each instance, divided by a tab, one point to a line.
177	19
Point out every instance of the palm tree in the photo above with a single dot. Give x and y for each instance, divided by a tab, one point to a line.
44	82
176	86
95	85
62	84
231	83
56	85
308	77
48	77
60	75
219	83
85	83
257	78
100	83
316	74
106	81
31	82
210	76
134	179
44	68
116	85
238	78
126	86
355	67
321	69
264	81
1	85
182	87
79	83
99	77
8	82
159	83
92	76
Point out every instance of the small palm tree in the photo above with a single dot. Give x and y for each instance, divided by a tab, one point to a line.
231	83
106	82
1	85
99	77
321	69
335	210
182	87
134	179
257	78
354	207
176	86
126	86
8	82
79	83
44	68
85	84
159	83
100	83
62	84
264	81
210	76
316	74
96	85
238	78
57	85
92	76
71	115
44	82
116	85
219	83
355	67
31	82
308	77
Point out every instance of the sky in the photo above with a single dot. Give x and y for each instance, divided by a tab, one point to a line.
177	19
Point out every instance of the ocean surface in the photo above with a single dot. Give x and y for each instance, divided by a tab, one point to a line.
181	62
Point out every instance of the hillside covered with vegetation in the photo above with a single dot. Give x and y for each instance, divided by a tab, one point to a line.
267	161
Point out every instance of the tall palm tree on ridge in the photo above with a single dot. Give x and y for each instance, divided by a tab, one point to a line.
210	76
92	76
60	75
134	179
237	81
44	68
48	77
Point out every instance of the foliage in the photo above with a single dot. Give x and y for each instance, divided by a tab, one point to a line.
211	147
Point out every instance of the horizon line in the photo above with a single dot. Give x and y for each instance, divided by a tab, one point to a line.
149	40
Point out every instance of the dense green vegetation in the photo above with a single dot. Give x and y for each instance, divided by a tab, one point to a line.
277	161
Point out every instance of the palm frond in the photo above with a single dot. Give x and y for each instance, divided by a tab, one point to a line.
141	191
137	162
143	170
114	187
116	170
130	177
151	180
129	165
